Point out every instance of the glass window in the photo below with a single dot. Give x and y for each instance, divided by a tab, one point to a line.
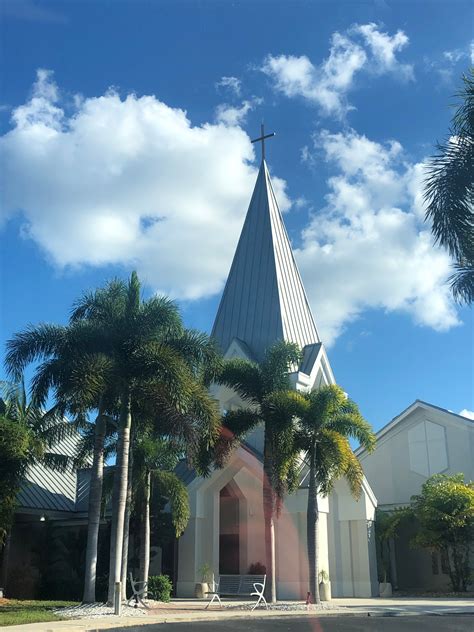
427	448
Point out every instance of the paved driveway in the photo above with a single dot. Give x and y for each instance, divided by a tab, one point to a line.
445	623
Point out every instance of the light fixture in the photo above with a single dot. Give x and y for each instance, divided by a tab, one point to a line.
42	518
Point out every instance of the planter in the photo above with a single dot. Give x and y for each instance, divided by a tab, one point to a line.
201	589
385	589
325	591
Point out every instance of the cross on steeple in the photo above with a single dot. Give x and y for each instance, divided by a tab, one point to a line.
262	138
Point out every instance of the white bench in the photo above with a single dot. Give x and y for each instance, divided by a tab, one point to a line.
139	592
239	586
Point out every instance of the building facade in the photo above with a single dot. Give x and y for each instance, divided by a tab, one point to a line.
423	440
264	301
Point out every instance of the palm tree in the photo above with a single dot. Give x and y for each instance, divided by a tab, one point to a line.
152	359
266	388
117	349
327	419
154	461
28	435
449	194
75	368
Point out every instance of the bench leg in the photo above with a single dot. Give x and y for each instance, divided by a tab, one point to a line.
260	598
137	597
215	596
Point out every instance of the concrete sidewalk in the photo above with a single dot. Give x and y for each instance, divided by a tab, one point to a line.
181	610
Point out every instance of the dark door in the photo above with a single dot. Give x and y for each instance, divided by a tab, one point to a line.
229	554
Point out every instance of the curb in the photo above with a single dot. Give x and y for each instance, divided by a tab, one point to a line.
74	625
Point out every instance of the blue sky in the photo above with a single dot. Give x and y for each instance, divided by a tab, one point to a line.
125	137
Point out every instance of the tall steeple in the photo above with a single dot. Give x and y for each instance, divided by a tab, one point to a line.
264	298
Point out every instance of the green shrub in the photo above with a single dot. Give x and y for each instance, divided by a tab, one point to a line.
160	587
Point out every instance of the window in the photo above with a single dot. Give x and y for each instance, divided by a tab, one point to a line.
427	448
444	563
436	558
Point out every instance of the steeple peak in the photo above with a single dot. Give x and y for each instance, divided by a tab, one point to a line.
264	298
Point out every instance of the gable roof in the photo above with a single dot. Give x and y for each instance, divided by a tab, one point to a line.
418	403
264	299
48	489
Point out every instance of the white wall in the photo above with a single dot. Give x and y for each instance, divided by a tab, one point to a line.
389	469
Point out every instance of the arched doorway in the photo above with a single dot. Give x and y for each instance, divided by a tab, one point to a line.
232	530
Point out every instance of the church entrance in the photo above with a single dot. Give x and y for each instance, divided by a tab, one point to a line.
230	533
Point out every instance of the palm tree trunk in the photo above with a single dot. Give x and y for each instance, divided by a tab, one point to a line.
113	522
312	529
5	554
119	497
126	532
268	516
145	531
95	499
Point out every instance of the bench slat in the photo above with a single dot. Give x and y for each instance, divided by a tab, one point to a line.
235	585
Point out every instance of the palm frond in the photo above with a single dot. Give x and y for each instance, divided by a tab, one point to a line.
352	424
282	408
199	351
171	487
101	305
244	377
34	343
159	317
333	457
449	193
241	421
132	304
324	403
281	359
354	475
462	281
58	462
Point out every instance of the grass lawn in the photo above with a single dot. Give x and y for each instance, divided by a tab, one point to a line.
17	611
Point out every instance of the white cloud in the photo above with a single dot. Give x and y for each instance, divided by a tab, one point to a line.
383	48
447	64
362	47
234	115
368	248
467	413
129	181
453	56
231	84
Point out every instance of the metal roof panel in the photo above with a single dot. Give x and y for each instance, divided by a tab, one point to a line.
264	298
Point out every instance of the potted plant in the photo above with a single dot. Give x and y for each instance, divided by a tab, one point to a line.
202	587
324	586
257	569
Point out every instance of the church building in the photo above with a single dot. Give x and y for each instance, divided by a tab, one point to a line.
264	301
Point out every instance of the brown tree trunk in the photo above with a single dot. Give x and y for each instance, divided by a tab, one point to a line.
95	500
312	529
268	516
